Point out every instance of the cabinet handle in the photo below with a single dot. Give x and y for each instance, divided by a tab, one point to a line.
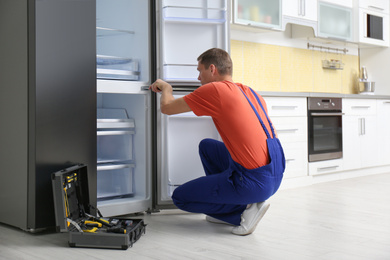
284	107
286	130
289	160
304	7
328	168
375	7
363	107
362	126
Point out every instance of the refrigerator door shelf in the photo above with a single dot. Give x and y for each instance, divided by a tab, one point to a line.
115	181
195	4
175	13
188	28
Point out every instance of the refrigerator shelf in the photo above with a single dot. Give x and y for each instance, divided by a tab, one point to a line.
103	31
113	67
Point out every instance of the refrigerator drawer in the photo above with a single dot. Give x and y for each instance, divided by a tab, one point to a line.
114	146
115	181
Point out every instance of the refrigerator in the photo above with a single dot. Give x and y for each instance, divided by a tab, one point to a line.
144	155
141	153
47	103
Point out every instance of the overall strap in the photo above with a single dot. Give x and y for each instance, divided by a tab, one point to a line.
257	114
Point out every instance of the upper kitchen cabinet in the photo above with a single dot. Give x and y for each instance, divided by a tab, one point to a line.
258	13
373	19
300	12
187	28
122	39
335	21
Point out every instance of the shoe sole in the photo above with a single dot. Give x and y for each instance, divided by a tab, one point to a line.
259	215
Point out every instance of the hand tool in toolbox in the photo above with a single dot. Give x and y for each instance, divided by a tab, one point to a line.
73	214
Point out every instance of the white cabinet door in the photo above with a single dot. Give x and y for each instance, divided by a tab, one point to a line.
301	9
383	123
360	141
351	142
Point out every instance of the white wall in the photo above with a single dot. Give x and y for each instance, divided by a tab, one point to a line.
377	62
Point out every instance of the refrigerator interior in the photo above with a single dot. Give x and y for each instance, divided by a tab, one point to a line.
179	162
122	40
123	150
189	25
123	33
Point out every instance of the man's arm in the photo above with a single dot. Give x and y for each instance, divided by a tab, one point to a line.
168	104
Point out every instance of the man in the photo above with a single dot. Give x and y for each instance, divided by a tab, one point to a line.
244	170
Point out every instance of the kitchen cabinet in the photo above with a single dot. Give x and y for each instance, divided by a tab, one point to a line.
289	117
300	12
334	21
360	141
372	18
258	13
383	134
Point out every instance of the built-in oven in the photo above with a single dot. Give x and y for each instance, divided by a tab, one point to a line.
325	139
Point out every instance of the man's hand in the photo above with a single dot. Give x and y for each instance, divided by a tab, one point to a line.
168	104
160	86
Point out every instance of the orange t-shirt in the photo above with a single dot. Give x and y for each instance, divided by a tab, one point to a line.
234	119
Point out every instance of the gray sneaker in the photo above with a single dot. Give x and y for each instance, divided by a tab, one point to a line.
250	218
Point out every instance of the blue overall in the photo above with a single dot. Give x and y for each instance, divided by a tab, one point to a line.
228	187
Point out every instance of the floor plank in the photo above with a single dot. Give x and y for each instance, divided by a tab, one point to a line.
346	219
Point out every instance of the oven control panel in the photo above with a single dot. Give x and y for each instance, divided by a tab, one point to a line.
318	103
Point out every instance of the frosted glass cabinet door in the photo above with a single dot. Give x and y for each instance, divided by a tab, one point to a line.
260	13
335	22
122	39
187	29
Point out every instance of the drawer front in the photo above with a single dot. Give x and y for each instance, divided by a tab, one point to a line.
286	106
325	167
290	129
359	107
296	159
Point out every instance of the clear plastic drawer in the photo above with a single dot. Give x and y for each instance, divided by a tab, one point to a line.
115	181
115	133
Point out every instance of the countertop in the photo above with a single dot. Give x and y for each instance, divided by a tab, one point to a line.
317	94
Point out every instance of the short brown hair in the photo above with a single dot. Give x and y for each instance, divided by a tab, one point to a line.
220	58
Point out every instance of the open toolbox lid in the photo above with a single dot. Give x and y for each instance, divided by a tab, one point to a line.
71	195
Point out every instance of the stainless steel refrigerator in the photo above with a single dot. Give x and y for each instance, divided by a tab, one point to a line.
47	103
143	155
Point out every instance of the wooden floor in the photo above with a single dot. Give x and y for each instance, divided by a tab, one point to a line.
347	219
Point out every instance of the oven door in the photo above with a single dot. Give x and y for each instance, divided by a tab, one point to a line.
325	135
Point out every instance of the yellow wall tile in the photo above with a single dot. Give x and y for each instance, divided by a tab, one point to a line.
275	68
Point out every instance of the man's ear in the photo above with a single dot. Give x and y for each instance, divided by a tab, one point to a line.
213	69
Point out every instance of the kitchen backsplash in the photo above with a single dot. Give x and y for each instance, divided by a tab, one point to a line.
286	69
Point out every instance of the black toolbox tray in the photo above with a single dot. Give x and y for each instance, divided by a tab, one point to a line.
72	209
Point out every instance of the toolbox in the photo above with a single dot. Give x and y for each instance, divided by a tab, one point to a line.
74	214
